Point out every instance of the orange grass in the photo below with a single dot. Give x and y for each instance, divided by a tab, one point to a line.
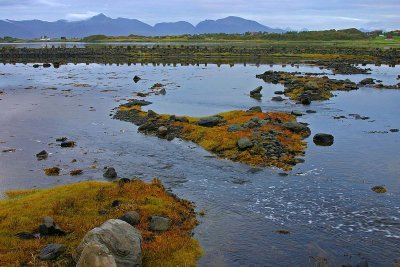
75	208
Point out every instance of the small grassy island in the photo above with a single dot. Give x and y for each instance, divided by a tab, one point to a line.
305	88
252	137
78	208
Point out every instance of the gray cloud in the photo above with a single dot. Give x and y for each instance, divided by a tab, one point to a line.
312	14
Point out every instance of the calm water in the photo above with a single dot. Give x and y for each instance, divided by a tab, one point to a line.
326	203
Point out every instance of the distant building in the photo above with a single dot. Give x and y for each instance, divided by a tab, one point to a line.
44	38
389	37
63	38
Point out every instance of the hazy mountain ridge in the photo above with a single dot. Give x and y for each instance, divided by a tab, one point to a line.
101	24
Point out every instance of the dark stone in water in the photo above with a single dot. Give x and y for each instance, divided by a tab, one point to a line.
46	65
322	139
283	174
42	155
379	189
68	144
277	98
309	111
110	173
256	91
305	101
61	139
394	130
136	78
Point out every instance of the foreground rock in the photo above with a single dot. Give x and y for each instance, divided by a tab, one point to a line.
121	239
322	139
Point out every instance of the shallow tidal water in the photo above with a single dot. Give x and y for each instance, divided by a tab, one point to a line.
326	203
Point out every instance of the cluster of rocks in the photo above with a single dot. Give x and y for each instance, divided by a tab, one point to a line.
151	123
377	84
267	142
305	89
343	68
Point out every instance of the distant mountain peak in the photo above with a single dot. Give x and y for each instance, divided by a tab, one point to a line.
102	24
99	16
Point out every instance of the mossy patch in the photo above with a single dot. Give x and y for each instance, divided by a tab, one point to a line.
271	143
75	208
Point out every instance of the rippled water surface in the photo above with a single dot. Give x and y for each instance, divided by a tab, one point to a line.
326	203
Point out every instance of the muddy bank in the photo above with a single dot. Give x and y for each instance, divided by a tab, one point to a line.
252	137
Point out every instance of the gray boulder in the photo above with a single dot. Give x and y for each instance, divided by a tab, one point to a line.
51	252
159	224
209	122
244	143
121	239
131	217
96	254
298	128
322	139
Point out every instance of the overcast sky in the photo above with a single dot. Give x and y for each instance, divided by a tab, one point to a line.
297	14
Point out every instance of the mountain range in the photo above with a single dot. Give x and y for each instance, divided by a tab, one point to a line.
101	24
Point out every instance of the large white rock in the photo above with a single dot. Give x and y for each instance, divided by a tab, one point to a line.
121	239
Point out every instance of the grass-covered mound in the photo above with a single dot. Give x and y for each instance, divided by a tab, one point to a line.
75	208
251	137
